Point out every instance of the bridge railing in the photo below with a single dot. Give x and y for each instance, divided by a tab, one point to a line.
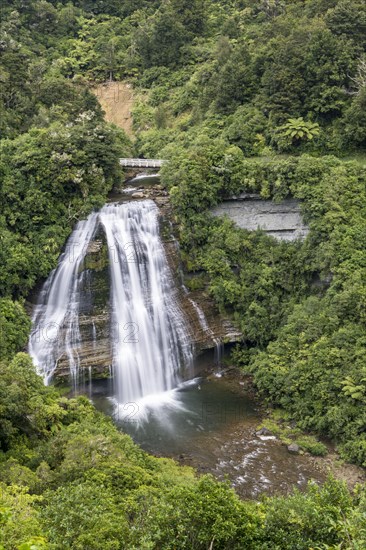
142	163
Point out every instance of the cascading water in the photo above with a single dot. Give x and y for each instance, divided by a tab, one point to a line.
151	342
219	351
55	323
219	346
201	317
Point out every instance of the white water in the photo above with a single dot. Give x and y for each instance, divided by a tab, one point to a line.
201	316
151	344
55	323
150	340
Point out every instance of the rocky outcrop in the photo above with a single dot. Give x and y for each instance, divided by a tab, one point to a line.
280	220
208	327
95	351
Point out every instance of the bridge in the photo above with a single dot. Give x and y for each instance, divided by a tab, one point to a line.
141	163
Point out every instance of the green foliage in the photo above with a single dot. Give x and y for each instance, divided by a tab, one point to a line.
26	407
354	391
314	447
14	328
84	515
19	523
246	128
221	81
278	425
160	40
50	178
318	516
297	130
354	123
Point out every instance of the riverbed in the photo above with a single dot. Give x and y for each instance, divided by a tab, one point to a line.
210	423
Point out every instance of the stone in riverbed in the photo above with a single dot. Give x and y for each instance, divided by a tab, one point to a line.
263	431
138	195
293	448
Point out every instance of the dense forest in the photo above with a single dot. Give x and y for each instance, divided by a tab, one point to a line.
267	96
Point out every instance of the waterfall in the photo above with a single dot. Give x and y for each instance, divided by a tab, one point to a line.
150	340
201	317
55	323
149	337
94	335
219	351
219	346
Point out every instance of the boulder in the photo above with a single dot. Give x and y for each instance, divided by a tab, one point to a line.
293	448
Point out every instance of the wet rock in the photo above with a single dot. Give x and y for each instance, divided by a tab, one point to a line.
138	195
94	247
263	431
162	201
293	448
243	197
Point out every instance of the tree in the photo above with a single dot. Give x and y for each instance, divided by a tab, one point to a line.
192	14
14	328
27	406
235	82
297	130
161	37
19	521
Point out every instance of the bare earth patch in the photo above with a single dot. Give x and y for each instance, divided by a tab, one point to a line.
116	99
350	473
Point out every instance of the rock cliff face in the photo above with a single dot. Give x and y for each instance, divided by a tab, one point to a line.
207	327
280	220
